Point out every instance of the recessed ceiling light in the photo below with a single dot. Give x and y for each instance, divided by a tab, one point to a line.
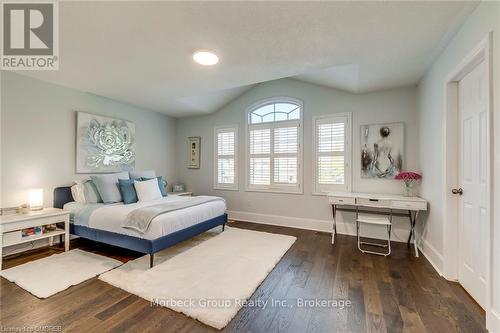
205	58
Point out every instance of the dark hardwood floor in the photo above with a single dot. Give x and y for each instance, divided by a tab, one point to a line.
396	294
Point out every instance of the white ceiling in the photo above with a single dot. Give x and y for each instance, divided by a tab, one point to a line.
140	52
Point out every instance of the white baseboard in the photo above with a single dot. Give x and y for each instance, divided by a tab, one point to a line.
285	221
433	256
493	321
312	224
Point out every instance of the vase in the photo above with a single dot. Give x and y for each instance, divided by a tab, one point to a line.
408	189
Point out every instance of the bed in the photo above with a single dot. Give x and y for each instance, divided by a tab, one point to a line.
103	222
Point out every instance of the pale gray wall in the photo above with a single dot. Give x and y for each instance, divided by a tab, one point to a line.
432	97
38	136
397	105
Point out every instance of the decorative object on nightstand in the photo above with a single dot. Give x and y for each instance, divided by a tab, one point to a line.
410	179
32	226
49	228
178	187
35	198
23	209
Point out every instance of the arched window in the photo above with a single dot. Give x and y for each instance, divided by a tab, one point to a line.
280	111
274	144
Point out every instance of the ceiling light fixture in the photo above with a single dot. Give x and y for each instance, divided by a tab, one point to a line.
205	58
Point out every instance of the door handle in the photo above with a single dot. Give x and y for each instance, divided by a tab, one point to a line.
457	191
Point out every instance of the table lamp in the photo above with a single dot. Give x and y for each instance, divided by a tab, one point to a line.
35	199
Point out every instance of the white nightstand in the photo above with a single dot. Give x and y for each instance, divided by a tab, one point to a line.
182	194
11	226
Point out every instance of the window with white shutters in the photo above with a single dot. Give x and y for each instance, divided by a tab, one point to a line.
275	146
332	153
226	158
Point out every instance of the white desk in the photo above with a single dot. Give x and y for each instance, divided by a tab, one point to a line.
11	226
375	200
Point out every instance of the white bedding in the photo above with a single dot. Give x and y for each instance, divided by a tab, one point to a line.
111	217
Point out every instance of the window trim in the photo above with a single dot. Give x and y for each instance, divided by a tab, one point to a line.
216	185
347	187
281	188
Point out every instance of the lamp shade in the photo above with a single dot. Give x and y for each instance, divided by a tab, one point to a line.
35	198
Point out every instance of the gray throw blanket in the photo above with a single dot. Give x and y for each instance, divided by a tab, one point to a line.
139	219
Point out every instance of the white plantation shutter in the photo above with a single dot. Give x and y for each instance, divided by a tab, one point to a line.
286	140
332	156
285	170
226	158
274	147
331	170
260	156
225	144
260	170
285	154
260	141
225	174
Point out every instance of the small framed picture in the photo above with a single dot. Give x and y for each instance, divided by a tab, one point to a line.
193	151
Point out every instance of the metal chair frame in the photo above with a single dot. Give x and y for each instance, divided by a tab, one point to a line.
360	243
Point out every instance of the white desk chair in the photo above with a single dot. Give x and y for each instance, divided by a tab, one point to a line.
374	220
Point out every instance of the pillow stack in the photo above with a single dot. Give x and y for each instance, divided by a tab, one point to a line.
120	187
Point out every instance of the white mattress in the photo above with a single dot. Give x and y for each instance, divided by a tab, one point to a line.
111	217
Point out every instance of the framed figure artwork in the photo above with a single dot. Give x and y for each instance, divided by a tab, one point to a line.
382	150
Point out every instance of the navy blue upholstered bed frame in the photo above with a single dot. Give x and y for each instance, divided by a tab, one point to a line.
62	195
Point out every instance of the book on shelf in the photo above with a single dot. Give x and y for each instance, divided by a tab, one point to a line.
31	231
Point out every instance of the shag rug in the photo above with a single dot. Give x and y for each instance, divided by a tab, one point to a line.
207	278
48	276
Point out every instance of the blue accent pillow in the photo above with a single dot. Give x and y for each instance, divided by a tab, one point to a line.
127	190
161	184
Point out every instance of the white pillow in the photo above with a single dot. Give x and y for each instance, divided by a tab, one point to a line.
148	190
78	192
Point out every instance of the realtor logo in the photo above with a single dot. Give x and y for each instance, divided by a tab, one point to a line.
30	36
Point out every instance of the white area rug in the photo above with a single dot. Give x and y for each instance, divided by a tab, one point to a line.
209	281
48	276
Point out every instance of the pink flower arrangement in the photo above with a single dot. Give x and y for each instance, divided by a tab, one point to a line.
410	179
411	176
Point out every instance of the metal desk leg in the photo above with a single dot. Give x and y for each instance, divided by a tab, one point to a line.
410	216
413	220
334	229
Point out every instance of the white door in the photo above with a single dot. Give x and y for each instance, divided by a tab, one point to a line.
473	203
